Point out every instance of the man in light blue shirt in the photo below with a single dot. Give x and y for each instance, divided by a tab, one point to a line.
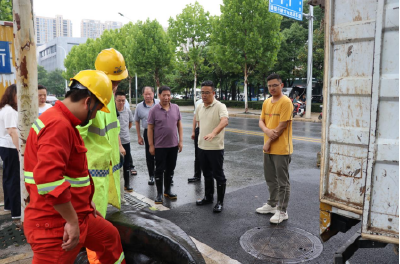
141	114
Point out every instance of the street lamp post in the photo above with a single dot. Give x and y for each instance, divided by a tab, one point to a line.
135	72
309	63
65	69
136	87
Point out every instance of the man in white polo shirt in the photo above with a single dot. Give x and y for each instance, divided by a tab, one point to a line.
212	116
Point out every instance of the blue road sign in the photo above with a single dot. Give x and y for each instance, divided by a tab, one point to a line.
289	8
5	61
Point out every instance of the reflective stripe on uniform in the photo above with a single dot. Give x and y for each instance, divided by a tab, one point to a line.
99	173
117	167
37	125
48	187
28	175
78	182
102	131
121	258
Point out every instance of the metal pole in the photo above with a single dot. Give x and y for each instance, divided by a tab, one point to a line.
26	80
65	69
309	64
136	86
130	91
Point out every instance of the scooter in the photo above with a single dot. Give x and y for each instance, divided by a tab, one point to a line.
299	108
320	115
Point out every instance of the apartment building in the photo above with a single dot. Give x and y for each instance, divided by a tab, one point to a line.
48	28
94	28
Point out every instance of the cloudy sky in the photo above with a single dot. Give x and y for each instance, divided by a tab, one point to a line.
107	10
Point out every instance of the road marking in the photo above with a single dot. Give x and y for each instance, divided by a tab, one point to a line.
20	258
212	256
255	133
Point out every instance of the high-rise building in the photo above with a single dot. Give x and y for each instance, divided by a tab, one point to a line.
48	28
94	28
112	25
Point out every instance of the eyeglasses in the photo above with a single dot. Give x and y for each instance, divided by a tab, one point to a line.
205	93
274	85
120	101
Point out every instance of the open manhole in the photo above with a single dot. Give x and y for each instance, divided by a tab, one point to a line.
281	244
135	202
11	235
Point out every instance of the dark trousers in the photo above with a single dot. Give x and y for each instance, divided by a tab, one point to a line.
165	161
11	185
149	157
126	164
197	168
131	161
212	163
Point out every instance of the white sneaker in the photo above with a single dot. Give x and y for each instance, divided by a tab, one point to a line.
266	209
279	217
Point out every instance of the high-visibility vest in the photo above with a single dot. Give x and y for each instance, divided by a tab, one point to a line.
101	140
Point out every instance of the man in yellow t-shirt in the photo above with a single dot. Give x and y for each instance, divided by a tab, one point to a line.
276	123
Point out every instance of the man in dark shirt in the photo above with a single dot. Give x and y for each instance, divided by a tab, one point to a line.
164	123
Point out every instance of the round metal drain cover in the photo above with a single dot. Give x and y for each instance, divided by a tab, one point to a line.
281	244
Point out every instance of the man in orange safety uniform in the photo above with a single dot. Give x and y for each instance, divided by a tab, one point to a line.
61	217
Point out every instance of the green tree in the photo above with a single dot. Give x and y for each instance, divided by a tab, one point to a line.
246	36
125	45
53	81
42	75
152	50
292	56
317	56
6	10
190	32
56	82
288	64
81	57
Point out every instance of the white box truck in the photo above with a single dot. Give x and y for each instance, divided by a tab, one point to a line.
360	135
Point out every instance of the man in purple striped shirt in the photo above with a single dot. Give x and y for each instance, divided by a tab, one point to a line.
164	125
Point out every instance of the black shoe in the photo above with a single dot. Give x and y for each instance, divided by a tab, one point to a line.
218	207
151	180
204	201
194	179
159	199
170	195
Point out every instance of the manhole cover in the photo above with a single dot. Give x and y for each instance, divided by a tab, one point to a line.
135	202
281	244
11	235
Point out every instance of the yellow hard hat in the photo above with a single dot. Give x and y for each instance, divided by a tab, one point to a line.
97	83
112	63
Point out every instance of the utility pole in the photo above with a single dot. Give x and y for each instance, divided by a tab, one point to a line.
136	87
309	63
26	76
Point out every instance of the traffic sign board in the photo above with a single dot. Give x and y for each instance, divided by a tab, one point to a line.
289	8
5	61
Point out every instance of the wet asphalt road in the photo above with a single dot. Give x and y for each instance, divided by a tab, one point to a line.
246	190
